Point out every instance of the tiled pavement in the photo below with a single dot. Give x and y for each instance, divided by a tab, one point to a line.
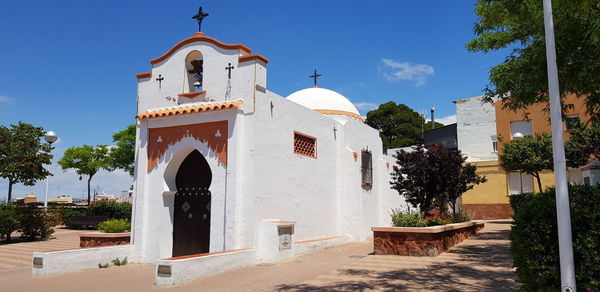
17	255
481	263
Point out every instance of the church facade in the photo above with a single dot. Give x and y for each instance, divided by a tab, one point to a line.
228	173
218	153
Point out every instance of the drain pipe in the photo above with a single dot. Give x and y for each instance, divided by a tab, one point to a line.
225	207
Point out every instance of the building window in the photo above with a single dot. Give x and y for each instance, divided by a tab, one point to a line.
366	169
519	183
494	143
571	121
305	145
519	129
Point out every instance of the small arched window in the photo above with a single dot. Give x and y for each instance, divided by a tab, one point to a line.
194	67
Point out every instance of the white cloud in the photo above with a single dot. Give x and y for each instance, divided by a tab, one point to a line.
447	120
366	106
398	71
6	100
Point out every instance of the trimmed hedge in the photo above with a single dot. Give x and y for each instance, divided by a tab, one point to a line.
534	239
112	209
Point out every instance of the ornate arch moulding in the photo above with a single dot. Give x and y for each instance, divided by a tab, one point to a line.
215	134
200	37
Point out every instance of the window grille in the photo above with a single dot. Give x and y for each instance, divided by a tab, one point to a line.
366	169
305	145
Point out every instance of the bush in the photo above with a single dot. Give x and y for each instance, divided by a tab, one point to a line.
35	223
114	225
534	239
10	220
112	209
404	219
434	221
460	217
67	213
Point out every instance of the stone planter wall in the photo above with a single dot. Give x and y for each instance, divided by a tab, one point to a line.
96	239
421	241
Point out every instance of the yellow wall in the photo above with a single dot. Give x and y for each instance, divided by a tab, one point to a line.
547	178
494	191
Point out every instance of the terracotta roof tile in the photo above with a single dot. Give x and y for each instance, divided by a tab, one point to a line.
182	110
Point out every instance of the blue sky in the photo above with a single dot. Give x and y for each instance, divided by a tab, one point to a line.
70	66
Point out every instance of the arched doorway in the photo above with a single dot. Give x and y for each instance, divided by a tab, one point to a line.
191	217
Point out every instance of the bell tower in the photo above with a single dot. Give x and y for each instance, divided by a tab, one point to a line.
201	69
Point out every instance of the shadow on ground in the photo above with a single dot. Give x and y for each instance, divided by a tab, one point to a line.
477	267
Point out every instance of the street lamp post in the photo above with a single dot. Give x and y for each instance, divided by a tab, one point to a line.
565	240
50	138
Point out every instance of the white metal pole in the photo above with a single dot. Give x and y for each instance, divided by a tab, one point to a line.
46	196
565	241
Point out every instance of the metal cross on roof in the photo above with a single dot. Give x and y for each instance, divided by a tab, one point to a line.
229	68
199	17
315	76
160	79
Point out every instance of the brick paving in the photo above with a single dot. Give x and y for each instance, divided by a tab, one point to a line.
19	254
481	263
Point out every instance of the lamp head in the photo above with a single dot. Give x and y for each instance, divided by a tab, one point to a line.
50	137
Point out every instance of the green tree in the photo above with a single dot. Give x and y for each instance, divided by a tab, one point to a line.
86	160
518	25
9	219
23	155
123	154
583	144
530	154
398	125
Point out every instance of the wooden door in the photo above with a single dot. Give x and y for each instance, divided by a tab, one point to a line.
191	217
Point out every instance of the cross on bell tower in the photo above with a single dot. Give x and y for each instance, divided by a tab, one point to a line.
199	17
315	76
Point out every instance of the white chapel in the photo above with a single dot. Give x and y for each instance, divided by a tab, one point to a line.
223	165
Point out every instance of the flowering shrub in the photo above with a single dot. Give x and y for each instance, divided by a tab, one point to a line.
405	219
436	220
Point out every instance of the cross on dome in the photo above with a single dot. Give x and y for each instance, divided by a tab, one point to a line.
315	76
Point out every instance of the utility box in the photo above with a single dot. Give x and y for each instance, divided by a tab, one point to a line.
275	240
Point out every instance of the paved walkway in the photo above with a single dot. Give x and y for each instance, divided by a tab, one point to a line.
481	263
15	255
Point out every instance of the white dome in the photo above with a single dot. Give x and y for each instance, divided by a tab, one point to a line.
325	101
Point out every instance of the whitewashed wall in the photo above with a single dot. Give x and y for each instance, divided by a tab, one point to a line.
244	77
155	191
476	124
